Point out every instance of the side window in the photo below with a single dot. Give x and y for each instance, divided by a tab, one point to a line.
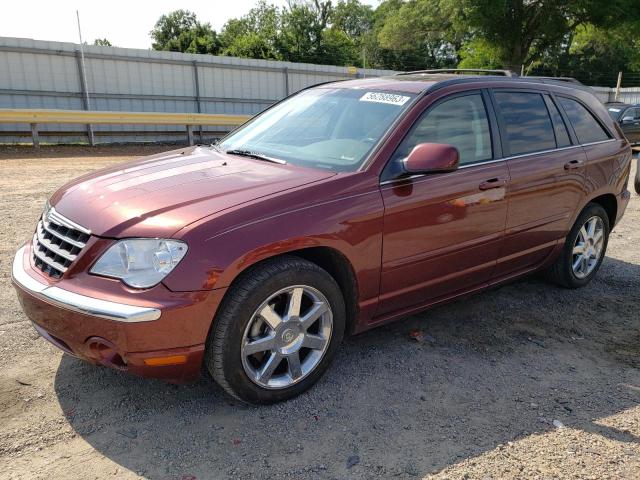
460	121
559	127
527	122
587	128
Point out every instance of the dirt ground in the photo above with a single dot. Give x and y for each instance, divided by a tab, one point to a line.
523	381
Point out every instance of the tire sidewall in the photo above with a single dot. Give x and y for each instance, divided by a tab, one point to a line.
244	310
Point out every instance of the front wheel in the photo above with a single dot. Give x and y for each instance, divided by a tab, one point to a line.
277	331
584	249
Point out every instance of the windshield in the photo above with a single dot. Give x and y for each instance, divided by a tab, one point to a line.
614	112
330	128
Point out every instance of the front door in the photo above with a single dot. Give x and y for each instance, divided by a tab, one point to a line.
442	232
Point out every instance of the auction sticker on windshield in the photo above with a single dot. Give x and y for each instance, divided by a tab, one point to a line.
389	98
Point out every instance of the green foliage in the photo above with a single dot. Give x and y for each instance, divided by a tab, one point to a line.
102	42
544	36
180	31
256	35
478	53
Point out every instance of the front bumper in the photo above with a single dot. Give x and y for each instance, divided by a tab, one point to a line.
96	307
165	340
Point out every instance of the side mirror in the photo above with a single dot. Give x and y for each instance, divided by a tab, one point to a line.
627	120
431	158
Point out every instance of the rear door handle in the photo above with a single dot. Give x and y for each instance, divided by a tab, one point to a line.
492	183
573	164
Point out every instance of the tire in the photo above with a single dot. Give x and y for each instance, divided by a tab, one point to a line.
562	272
245	322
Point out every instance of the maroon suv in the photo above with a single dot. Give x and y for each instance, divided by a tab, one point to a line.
343	207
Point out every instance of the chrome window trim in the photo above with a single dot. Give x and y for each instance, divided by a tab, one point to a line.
503	159
95	307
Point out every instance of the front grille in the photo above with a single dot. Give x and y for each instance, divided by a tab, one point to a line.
57	242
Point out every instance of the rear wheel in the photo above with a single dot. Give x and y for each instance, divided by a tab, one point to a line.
584	249
277	331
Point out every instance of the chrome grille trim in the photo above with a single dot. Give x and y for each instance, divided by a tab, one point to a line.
48	261
55	217
51	246
45	226
57	242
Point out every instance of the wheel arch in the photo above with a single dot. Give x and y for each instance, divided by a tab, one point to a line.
609	202
337	265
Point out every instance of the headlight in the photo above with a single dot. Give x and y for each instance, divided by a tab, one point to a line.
140	262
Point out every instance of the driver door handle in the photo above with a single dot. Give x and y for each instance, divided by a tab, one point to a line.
573	164
492	183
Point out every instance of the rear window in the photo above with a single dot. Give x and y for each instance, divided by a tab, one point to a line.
527	122
587	128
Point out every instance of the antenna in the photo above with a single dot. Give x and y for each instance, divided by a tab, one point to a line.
84	70
85	87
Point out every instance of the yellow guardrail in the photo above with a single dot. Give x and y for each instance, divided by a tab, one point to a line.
110	118
35	117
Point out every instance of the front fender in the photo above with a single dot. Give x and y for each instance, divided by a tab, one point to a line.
352	225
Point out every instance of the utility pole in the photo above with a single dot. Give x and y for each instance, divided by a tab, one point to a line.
618	85
364	61
83	81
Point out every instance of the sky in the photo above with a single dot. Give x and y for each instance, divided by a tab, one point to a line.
125	23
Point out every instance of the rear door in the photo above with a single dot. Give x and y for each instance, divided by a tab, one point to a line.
547	172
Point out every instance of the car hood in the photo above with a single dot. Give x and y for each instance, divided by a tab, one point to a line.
160	194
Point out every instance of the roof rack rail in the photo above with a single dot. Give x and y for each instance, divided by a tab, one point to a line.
504	73
556	79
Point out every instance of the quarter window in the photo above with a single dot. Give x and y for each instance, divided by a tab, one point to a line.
527	124
460	121
587	128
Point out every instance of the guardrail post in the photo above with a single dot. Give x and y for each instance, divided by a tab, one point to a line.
285	70
85	97
34	135
190	134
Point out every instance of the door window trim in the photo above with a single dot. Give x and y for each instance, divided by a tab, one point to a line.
494	135
496	129
503	126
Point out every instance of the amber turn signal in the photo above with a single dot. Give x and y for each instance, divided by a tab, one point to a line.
161	361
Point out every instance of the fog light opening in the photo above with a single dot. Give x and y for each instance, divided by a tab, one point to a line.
105	353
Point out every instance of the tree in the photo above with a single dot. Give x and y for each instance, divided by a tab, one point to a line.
521	31
303	24
595	55
352	17
505	33
180	31
424	28
102	42
255	35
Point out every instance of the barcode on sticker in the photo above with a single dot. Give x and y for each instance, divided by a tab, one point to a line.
389	98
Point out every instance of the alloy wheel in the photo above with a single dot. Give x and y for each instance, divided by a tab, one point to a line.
287	337
588	247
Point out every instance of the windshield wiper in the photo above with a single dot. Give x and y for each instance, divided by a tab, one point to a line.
256	155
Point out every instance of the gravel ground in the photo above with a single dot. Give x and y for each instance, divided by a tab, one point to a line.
523	381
